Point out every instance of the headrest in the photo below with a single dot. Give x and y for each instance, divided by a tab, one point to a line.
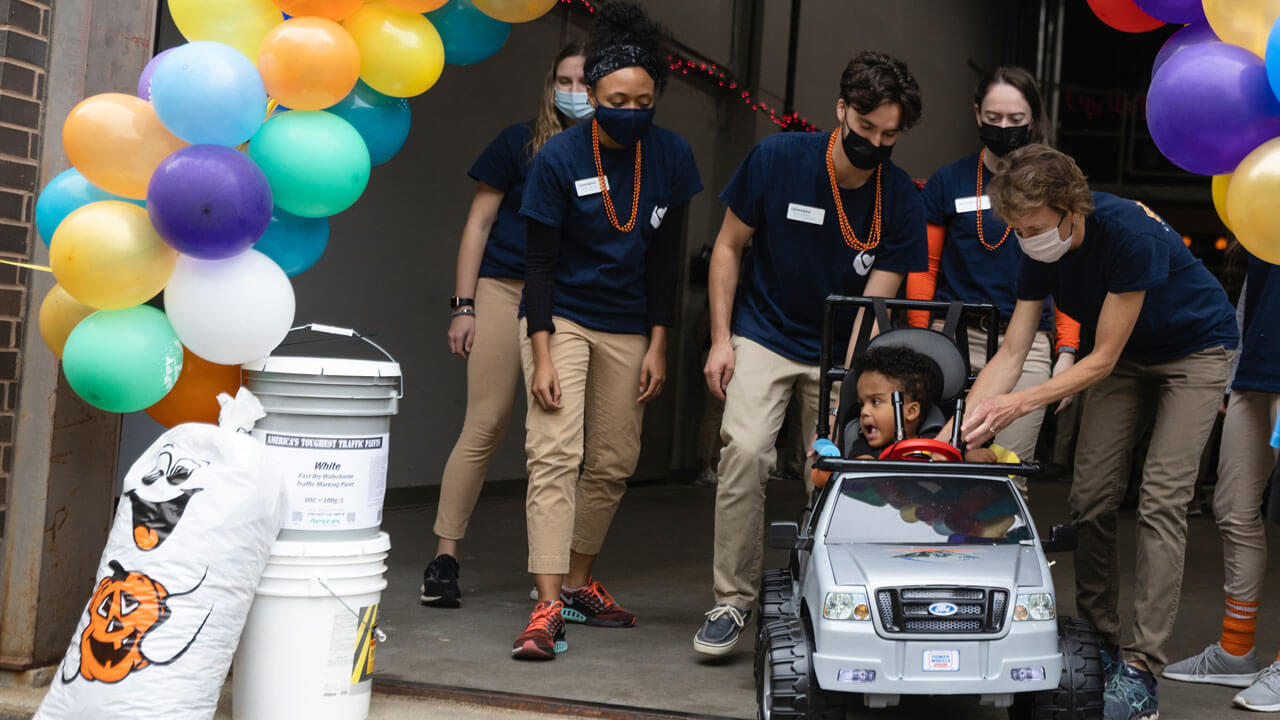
949	364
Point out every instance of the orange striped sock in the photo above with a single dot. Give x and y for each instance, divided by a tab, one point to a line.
1238	626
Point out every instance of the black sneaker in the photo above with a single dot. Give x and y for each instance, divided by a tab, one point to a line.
440	583
720	632
1130	694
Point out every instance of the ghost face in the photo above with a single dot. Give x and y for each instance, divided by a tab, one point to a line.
159	503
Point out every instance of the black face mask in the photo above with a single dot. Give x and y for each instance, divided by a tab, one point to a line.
861	153
1004	140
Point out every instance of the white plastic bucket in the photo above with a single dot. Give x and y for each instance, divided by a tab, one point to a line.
328	425
307	649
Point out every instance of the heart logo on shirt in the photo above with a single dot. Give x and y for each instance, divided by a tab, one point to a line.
863	262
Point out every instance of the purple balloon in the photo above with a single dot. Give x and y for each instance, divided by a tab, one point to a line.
1193	34
144	80
1173	11
209	201
1210	105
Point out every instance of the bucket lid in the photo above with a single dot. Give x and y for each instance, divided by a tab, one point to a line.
329	548
338	367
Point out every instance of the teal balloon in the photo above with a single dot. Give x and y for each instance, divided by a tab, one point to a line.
294	243
316	163
123	360
383	121
469	35
67	192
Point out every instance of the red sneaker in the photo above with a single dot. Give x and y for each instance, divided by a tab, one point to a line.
594	605
543	639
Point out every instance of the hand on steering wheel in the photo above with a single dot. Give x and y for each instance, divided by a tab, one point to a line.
926	449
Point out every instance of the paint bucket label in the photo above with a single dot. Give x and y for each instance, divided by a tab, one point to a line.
333	482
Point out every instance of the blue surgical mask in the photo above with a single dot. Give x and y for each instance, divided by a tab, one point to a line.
625	125
573	104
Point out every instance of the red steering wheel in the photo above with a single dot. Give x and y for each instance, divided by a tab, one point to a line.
926	449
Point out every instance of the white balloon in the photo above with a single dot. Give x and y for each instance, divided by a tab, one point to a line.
230	311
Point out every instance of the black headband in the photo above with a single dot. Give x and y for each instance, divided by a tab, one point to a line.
616	57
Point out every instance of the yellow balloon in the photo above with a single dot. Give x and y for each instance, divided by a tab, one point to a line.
107	255
1243	22
1219	190
515	11
1251	201
59	315
117	141
401	53
239	23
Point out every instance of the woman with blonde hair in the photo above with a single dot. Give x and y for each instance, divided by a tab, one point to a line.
487	287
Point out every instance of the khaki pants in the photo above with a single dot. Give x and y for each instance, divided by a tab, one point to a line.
493	371
755	405
597	430
709	444
1185	394
1244	468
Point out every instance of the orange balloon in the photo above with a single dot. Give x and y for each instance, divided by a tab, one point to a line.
59	315
309	63
194	398
418	6
117	141
331	9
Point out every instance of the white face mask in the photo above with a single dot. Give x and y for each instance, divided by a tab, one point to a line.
574	104
1047	246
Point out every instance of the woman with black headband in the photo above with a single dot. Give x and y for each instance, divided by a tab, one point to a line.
605	205
971	257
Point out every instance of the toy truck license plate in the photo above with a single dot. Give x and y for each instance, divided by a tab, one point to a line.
941	661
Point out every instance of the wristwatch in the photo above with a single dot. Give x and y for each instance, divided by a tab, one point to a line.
456	302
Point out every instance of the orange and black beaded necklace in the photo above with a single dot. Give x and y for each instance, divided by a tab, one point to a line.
604	188
981	238
851	238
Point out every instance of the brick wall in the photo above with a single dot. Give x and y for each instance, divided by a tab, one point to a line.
24	53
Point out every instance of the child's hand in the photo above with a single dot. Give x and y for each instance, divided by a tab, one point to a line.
980	455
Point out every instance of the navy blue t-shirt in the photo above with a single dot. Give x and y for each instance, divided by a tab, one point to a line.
1127	247
798	256
600	272
504	165
1259	367
968	271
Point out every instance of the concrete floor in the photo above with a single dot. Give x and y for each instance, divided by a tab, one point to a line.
657	564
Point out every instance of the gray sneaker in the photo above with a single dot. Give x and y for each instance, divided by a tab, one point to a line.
706	478
1216	667
1264	694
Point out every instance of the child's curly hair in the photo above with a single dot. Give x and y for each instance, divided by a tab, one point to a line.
622	33
913	371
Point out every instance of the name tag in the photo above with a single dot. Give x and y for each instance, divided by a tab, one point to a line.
970	204
656	218
806	214
589	186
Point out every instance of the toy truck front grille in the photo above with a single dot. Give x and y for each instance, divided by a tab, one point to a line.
968	610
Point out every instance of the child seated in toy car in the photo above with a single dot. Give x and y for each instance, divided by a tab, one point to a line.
880	373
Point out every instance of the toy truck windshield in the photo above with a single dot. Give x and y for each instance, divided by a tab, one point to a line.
927	510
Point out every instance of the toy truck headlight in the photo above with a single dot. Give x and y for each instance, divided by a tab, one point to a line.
1034	606
846	606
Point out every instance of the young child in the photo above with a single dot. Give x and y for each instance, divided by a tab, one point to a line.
881	372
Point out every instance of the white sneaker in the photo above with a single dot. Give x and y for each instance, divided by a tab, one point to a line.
1216	667
1264	694
706	478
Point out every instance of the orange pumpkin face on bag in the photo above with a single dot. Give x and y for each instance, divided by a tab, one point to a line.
124	608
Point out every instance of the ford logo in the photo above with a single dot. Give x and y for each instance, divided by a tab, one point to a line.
942	609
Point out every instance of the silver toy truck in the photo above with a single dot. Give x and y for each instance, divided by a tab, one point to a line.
918	578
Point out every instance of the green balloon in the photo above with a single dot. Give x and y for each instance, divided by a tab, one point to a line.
123	360
316	162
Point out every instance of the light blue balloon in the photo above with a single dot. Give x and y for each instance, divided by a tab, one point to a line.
209	93
469	35
295	243
1273	58
67	192
383	121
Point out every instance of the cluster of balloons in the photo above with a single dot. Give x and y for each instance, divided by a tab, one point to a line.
1214	103
214	184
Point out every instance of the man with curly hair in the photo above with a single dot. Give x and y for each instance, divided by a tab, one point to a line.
824	214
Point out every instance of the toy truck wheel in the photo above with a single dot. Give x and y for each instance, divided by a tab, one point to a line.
1079	692
777	602
786	687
